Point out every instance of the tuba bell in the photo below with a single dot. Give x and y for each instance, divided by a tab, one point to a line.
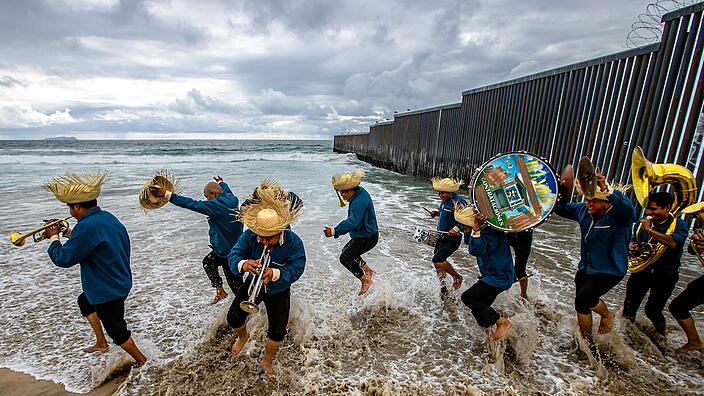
18	239
698	210
647	176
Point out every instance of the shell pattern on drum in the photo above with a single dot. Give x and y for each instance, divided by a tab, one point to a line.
516	191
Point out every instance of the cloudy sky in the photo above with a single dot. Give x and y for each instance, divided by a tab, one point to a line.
274	69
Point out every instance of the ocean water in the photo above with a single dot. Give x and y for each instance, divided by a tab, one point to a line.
401	338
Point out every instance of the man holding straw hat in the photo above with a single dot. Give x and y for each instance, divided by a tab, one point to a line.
447	191
605	224
101	245
268	218
220	205
360	224
491	248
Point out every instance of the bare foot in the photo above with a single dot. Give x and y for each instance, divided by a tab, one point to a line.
102	348
368	270
690	346
220	294
366	284
239	345
268	369
140	363
524	295
501	329
606	323
457	281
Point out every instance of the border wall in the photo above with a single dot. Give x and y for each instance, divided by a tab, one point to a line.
649	96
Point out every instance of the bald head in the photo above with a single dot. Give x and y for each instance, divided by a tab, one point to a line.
211	190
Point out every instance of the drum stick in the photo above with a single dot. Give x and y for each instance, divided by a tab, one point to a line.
424	208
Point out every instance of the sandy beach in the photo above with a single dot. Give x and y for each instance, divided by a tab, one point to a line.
20	384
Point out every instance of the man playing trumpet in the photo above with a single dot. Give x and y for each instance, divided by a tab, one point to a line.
660	277
604	222
101	245
220	205
268	219
360	224
447	191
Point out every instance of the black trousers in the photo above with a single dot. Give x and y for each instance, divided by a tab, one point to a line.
111	314
661	284
351	256
590	288
479	298
211	262
521	243
277	306
444	248
691	296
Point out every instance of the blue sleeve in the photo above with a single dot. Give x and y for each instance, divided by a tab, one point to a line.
225	187
681	232
76	248
482	245
623	207
238	253
568	211
212	208
354	219
295	266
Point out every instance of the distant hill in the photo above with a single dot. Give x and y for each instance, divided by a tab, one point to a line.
61	138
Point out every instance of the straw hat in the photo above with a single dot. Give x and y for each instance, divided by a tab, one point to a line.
464	214
347	181
270	213
446	185
74	188
163	179
603	195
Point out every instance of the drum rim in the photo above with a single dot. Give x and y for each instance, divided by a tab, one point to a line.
478	170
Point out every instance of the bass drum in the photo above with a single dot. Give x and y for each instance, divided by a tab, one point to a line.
516	191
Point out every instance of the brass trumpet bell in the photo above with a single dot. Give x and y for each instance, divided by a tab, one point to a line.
18	239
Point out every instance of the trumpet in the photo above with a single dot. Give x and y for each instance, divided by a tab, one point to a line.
251	306
18	239
341	202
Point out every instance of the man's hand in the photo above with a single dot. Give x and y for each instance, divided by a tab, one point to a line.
479	220
51	231
434	214
646	224
328	232
157	191
218	179
251	266
601	181
698	241
268	275
467	229
452	233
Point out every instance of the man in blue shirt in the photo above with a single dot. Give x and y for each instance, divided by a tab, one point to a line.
661	276
447	191
268	223
496	273
100	244
360	224
605	226
221	206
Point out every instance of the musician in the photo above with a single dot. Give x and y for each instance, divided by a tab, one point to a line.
220	205
101	245
660	277
521	243
267	221
447	191
360	224
691	297
496	272
605	225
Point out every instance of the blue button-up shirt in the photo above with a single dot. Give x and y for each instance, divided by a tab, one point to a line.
446	220
361	218
493	257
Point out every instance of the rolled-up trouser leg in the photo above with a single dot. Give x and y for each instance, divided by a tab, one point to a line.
521	242
691	296
278	307
351	256
479	298
590	288
660	291
210	265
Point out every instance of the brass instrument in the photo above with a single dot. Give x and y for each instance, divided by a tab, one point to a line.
698	210
255	287
18	239
646	176
342	201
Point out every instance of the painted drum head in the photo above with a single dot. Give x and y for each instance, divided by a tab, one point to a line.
516	191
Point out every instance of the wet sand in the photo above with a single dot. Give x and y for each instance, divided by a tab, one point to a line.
20	384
